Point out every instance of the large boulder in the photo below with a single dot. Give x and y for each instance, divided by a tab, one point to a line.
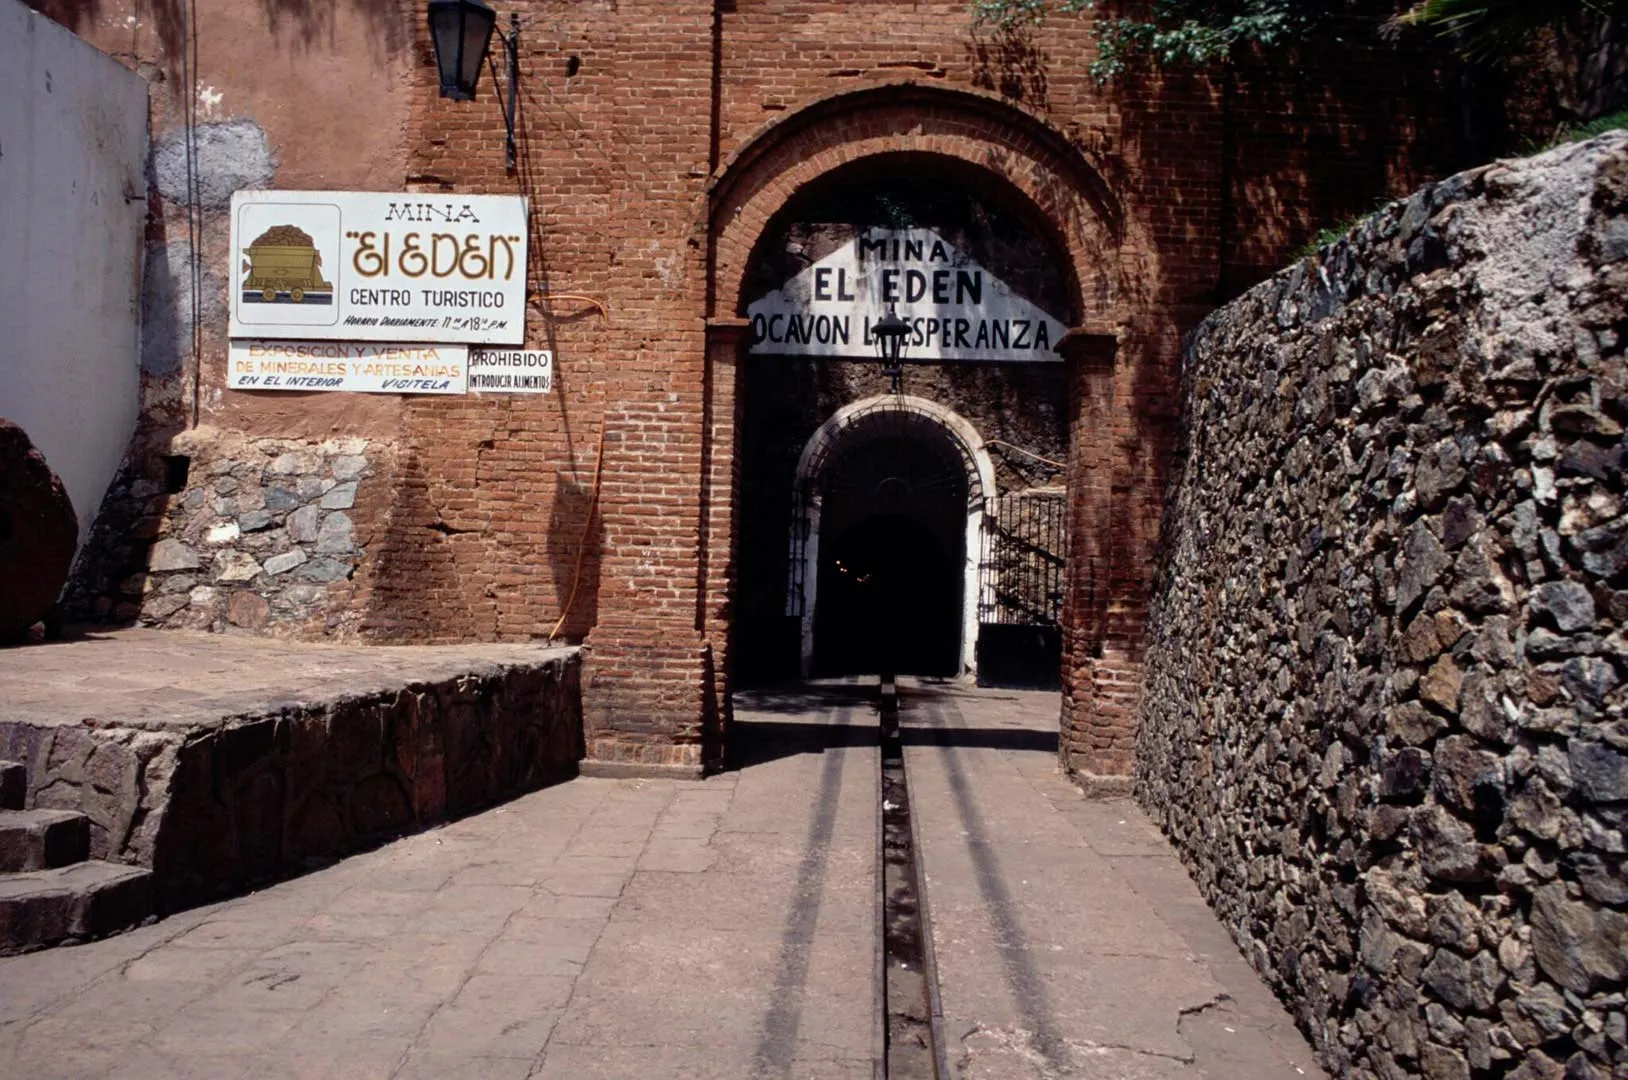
38	534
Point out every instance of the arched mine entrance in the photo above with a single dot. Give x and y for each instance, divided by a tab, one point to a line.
916	530
890	498
888	582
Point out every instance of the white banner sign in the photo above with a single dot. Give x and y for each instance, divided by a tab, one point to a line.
956	309
511	371
364	266
343	365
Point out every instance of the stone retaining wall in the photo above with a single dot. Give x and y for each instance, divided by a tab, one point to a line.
215	810
259	534
1384	715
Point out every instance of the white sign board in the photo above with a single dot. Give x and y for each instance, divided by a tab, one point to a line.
346	365
956	309
364	266
511	371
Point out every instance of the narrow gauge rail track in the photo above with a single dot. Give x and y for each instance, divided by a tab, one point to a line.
913	1043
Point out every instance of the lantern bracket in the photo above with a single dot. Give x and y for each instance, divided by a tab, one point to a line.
457	29
511	46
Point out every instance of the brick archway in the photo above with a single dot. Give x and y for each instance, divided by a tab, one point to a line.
1070	198
1012	145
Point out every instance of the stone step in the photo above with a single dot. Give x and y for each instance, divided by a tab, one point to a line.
13	785
76	903
42	839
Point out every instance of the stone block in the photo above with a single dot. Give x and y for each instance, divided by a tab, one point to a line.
236	566
281	499
337	535
1599	770
342	497
1579	944
39	535
247	609
13	785
348	466
171	554
112	897
304	524
33	913
288	560
42	839
1567	605
83	901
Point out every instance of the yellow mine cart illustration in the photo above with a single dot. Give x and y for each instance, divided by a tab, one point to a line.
284	262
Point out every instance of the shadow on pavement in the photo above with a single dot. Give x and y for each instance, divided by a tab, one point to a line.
1002	738
757	742
777	1045
941	719
760	735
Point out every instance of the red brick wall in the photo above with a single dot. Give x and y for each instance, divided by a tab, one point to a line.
615	160
657	141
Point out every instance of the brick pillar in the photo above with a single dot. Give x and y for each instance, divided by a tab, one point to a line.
1097	729
646	702
727	340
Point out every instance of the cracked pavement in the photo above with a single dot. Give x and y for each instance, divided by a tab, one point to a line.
1069	940
723	928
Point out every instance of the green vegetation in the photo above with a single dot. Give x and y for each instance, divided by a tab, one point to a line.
1611	122
1176	33
1202	33
1495	28
1332	233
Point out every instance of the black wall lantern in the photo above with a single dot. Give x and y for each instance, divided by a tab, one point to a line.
462	33
890	334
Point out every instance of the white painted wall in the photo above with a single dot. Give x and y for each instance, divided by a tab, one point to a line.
73	204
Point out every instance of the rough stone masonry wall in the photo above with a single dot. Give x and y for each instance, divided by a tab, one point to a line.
1384	713
255	797
262	534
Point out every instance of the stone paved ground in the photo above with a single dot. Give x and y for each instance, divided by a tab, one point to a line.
718	929
134	675
1070	942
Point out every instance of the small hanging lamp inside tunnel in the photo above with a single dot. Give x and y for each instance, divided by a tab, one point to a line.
890	334
461	31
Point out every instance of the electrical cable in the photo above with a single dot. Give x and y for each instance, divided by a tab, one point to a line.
194	211
1026	453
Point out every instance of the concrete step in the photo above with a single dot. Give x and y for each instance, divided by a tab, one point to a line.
76	903
42	839
13	785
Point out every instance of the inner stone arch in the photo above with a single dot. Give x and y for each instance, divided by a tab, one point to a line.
883	569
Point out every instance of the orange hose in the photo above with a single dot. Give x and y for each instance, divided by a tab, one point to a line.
599	307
